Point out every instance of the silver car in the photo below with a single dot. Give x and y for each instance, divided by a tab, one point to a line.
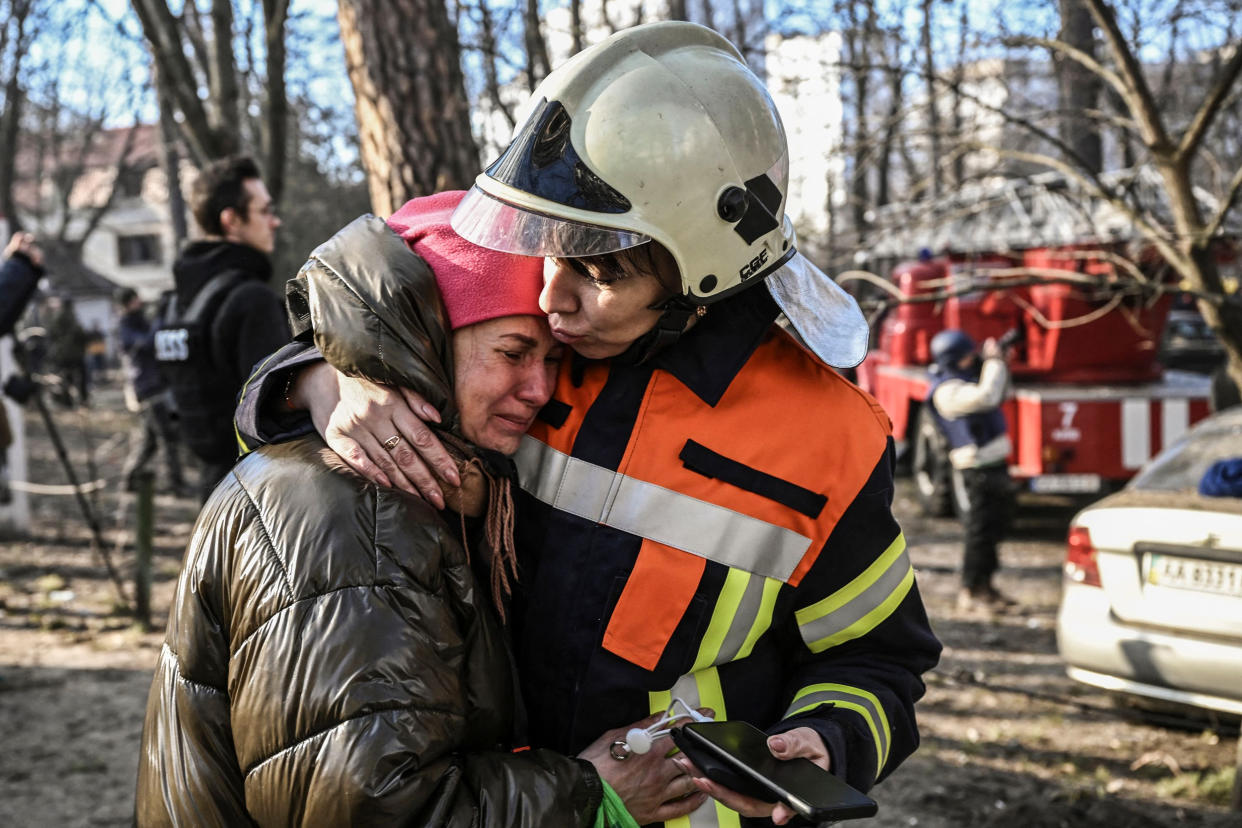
1152	603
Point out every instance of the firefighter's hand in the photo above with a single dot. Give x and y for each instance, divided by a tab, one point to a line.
356	417
801	742
652	786
992	349
24	243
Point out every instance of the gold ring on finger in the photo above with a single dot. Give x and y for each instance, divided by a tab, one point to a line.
391	442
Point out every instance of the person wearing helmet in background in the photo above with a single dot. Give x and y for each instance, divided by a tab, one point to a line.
705	504
965	396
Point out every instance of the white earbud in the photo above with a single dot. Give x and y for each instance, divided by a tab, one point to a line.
638	740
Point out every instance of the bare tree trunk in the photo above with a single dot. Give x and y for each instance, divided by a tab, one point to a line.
1125	138
884	162
14	98
223	109
677	10
11	117
857	45
959	156
1079	87
276	101
603	15
833	248
491	78
170	160
163	34
933	114
709	16
575	25
537	64
411	106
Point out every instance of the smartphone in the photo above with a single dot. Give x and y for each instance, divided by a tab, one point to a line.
736	755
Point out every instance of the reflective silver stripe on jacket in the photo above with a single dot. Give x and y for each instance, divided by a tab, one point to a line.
859	606
860	701
657	513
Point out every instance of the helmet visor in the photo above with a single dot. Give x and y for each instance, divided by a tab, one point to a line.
489	222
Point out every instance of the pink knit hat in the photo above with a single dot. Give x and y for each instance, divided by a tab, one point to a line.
476	284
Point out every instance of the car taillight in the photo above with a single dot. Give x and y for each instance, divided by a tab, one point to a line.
1081	565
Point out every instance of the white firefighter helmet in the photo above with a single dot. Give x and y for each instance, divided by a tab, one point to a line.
659	132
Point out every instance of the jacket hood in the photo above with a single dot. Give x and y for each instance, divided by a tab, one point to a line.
202	260
375	312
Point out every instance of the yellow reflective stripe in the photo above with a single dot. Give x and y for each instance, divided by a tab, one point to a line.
861	701
771	587
859	606
711	814
241	444
869	621
726	817
711	695
856	587
699	689
722	618
659	700
742	614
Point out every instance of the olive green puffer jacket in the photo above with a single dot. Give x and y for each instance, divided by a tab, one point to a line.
330	659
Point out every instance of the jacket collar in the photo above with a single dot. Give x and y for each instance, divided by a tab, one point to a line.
203	259
710	355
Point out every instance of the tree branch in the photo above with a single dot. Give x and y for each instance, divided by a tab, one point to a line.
223	76
1077	55
1211	107
1136	93
1231	198
192	21
160	28
275	16
1150	231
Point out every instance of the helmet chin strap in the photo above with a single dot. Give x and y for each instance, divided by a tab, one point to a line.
675	314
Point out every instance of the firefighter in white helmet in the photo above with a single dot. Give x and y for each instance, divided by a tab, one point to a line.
705	508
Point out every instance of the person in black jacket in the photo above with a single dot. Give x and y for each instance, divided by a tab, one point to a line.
19	276
23	265
244	321
146	393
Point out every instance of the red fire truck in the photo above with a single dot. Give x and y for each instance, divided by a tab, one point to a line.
1089	404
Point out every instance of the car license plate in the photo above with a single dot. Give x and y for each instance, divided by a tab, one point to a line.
1065	484
1197	574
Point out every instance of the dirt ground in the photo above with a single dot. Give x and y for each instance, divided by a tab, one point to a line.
1007	739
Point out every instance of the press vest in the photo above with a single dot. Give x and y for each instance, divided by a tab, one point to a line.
978	429
202	389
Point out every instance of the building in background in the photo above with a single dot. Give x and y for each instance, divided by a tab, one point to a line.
104	205
804	77
100	207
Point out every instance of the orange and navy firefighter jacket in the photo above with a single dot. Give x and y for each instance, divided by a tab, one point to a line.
715	525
